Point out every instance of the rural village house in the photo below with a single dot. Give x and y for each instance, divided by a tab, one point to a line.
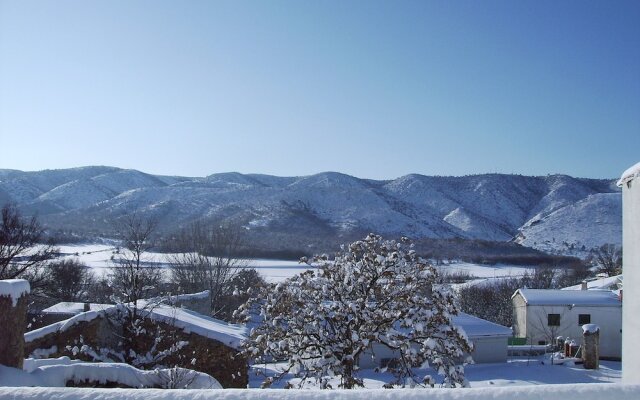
541	315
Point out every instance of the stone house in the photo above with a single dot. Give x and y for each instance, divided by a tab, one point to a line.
212	346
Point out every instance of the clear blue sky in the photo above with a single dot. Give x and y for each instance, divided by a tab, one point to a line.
372	89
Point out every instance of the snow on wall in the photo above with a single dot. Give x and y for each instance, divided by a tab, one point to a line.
14	288
550	392
630	174
58	374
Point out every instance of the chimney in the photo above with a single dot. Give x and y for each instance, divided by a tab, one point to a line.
14	295
87	307
583	285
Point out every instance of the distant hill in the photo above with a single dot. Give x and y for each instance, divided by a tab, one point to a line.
556	213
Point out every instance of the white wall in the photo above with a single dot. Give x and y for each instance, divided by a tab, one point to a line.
487	349
631	273
519	316
608	318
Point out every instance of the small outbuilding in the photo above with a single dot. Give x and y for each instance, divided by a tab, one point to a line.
489	343
542	315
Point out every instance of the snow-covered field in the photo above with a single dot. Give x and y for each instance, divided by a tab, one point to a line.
98	257
485	271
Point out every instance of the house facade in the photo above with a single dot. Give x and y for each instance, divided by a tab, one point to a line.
630	184
541	315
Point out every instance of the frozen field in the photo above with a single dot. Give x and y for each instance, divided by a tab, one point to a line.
98	257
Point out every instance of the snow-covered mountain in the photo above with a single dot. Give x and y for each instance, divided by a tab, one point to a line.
554	213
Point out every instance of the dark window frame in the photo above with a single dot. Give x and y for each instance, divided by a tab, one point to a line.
584	319
553	319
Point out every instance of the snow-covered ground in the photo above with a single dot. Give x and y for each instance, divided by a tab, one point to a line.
98	257
515	372
485	271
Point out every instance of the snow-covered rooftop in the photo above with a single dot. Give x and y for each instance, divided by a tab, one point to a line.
630	174
476	327
610	282
189	321
599	298
14	288
74	308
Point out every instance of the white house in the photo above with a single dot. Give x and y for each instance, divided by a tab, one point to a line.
541	315
489	342
630	184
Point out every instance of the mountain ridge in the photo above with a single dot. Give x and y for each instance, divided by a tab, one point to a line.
497	207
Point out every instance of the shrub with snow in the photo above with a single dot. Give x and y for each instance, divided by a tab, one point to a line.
374	291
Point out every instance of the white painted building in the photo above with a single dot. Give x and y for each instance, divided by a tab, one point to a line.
630	184
541	315
489	342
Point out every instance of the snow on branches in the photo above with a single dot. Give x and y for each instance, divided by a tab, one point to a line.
373	294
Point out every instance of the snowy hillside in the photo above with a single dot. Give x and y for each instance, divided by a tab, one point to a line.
555	212
576	227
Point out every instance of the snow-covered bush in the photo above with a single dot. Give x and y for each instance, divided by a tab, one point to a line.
373	291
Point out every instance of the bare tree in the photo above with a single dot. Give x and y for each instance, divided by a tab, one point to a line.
23	249
133	281
607	259
131	275
68	280
209	263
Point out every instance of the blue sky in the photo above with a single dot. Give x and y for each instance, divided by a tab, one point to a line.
372	89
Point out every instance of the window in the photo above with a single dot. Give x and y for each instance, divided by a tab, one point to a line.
584	319
553	319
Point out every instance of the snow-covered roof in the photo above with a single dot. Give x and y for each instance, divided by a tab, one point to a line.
14	288
66	307
551	297
630	174
189	321
601	283
189	296
476	327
